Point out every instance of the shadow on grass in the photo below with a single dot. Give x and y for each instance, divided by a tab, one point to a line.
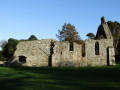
45	78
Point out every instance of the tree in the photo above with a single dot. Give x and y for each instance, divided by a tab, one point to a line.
68	33
3	43
90	35
10	48
32	37
2	57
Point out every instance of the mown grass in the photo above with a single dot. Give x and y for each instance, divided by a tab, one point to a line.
46	78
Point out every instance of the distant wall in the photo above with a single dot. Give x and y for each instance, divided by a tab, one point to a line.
41	53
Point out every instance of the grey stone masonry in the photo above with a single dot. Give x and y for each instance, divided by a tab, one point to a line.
107	31
37	53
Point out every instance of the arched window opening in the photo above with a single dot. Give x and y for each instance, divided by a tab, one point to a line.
71	47
22	59
96	48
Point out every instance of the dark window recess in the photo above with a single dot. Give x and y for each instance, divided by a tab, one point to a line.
52	45
83	50
22	59
71	47
96	48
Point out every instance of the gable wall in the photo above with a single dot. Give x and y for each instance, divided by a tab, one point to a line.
101	59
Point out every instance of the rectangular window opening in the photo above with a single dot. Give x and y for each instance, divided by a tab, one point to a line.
71	47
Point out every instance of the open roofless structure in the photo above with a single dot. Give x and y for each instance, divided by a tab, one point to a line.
48	52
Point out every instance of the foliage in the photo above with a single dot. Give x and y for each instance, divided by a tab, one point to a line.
9	48
68	33
32	37
2	58
3	43
90	35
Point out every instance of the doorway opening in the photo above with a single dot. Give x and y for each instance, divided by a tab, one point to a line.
22	59
51	53
108	59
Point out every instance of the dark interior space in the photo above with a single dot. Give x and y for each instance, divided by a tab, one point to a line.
51	53
22	59
108	62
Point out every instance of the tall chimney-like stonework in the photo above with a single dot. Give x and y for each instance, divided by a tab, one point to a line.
103	20
106	28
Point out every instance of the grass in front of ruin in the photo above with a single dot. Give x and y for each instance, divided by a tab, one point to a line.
46	78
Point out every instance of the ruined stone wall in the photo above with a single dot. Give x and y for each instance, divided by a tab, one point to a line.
2	62
101	59
64	57
36	52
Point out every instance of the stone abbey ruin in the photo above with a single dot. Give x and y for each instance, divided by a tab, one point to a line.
48	52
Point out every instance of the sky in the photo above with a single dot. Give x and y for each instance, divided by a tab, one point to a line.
21	18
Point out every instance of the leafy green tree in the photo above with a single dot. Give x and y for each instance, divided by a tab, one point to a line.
10	48
90	35
3	43
32	37
2	57
68	33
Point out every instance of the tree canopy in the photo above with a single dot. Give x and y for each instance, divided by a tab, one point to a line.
3	43
68	33
90	35
32	37
9	48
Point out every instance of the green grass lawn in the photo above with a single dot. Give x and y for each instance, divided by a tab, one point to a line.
44	78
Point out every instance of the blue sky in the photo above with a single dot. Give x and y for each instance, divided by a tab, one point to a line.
21	18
